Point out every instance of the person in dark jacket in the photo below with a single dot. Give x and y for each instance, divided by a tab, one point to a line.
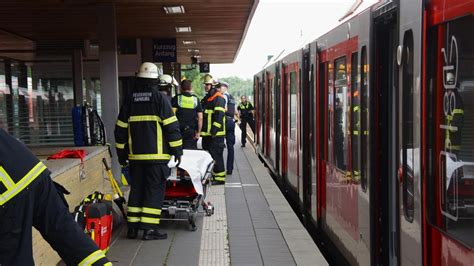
230	124
28	197
245	109
147	134
188	109
214	128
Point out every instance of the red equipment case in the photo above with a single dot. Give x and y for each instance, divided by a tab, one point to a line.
99	224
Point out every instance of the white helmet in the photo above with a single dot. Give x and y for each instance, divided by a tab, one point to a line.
168	80
148	70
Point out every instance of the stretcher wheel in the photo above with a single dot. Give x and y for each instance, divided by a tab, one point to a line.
192	221
209	209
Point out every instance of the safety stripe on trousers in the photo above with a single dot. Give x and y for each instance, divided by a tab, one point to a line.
148	220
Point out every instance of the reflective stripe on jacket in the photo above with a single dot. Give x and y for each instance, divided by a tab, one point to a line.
18	167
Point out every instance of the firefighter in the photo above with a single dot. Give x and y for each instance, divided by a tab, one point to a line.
213	128
28	197
245	109
166	84
147	134
188	109
230	125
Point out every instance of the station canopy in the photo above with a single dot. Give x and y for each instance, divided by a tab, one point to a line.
217	27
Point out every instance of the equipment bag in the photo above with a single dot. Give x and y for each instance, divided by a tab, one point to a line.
88	127
99	224
94	216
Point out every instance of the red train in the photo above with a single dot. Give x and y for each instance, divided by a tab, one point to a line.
370	128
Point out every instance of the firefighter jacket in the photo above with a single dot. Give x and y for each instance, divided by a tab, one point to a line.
187	107
19	168
214	114
147	129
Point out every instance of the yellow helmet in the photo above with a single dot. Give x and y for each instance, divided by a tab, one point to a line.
208	79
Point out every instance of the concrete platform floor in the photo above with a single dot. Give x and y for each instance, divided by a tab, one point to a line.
253	224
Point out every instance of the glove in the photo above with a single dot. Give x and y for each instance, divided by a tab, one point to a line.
177	160
122	161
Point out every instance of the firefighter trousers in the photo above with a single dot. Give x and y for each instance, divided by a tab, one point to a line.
215	146
41	205
229	142
147	193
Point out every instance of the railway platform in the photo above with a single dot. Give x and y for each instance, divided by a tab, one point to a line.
253	224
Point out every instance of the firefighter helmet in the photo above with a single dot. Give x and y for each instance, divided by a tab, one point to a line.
208	79
167	80
148	70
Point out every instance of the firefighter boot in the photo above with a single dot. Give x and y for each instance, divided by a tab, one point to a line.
132	233
152	234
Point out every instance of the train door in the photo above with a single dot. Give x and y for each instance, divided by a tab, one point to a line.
322	133
409	133
382	132
284	121
256	92
360	141
448	128
277	117
293	105
314	128
270	129
305	130
262	113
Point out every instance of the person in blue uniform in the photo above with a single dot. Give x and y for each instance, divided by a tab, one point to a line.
230	124
245	109
188	110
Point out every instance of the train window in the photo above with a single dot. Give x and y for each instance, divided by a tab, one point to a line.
364	120
293	104
341	107
407	153
355	120
452	121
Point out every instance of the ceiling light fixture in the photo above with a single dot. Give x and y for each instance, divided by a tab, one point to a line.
193	50
183	29
174	9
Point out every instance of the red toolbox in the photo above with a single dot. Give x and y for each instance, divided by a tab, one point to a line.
99	223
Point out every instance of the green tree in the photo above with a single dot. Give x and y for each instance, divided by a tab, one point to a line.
196	78
239	87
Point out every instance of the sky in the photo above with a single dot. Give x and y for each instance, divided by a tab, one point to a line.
279	25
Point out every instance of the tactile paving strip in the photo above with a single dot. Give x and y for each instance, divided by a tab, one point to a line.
214	239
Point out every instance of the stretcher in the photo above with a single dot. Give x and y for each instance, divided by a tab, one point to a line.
187	187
